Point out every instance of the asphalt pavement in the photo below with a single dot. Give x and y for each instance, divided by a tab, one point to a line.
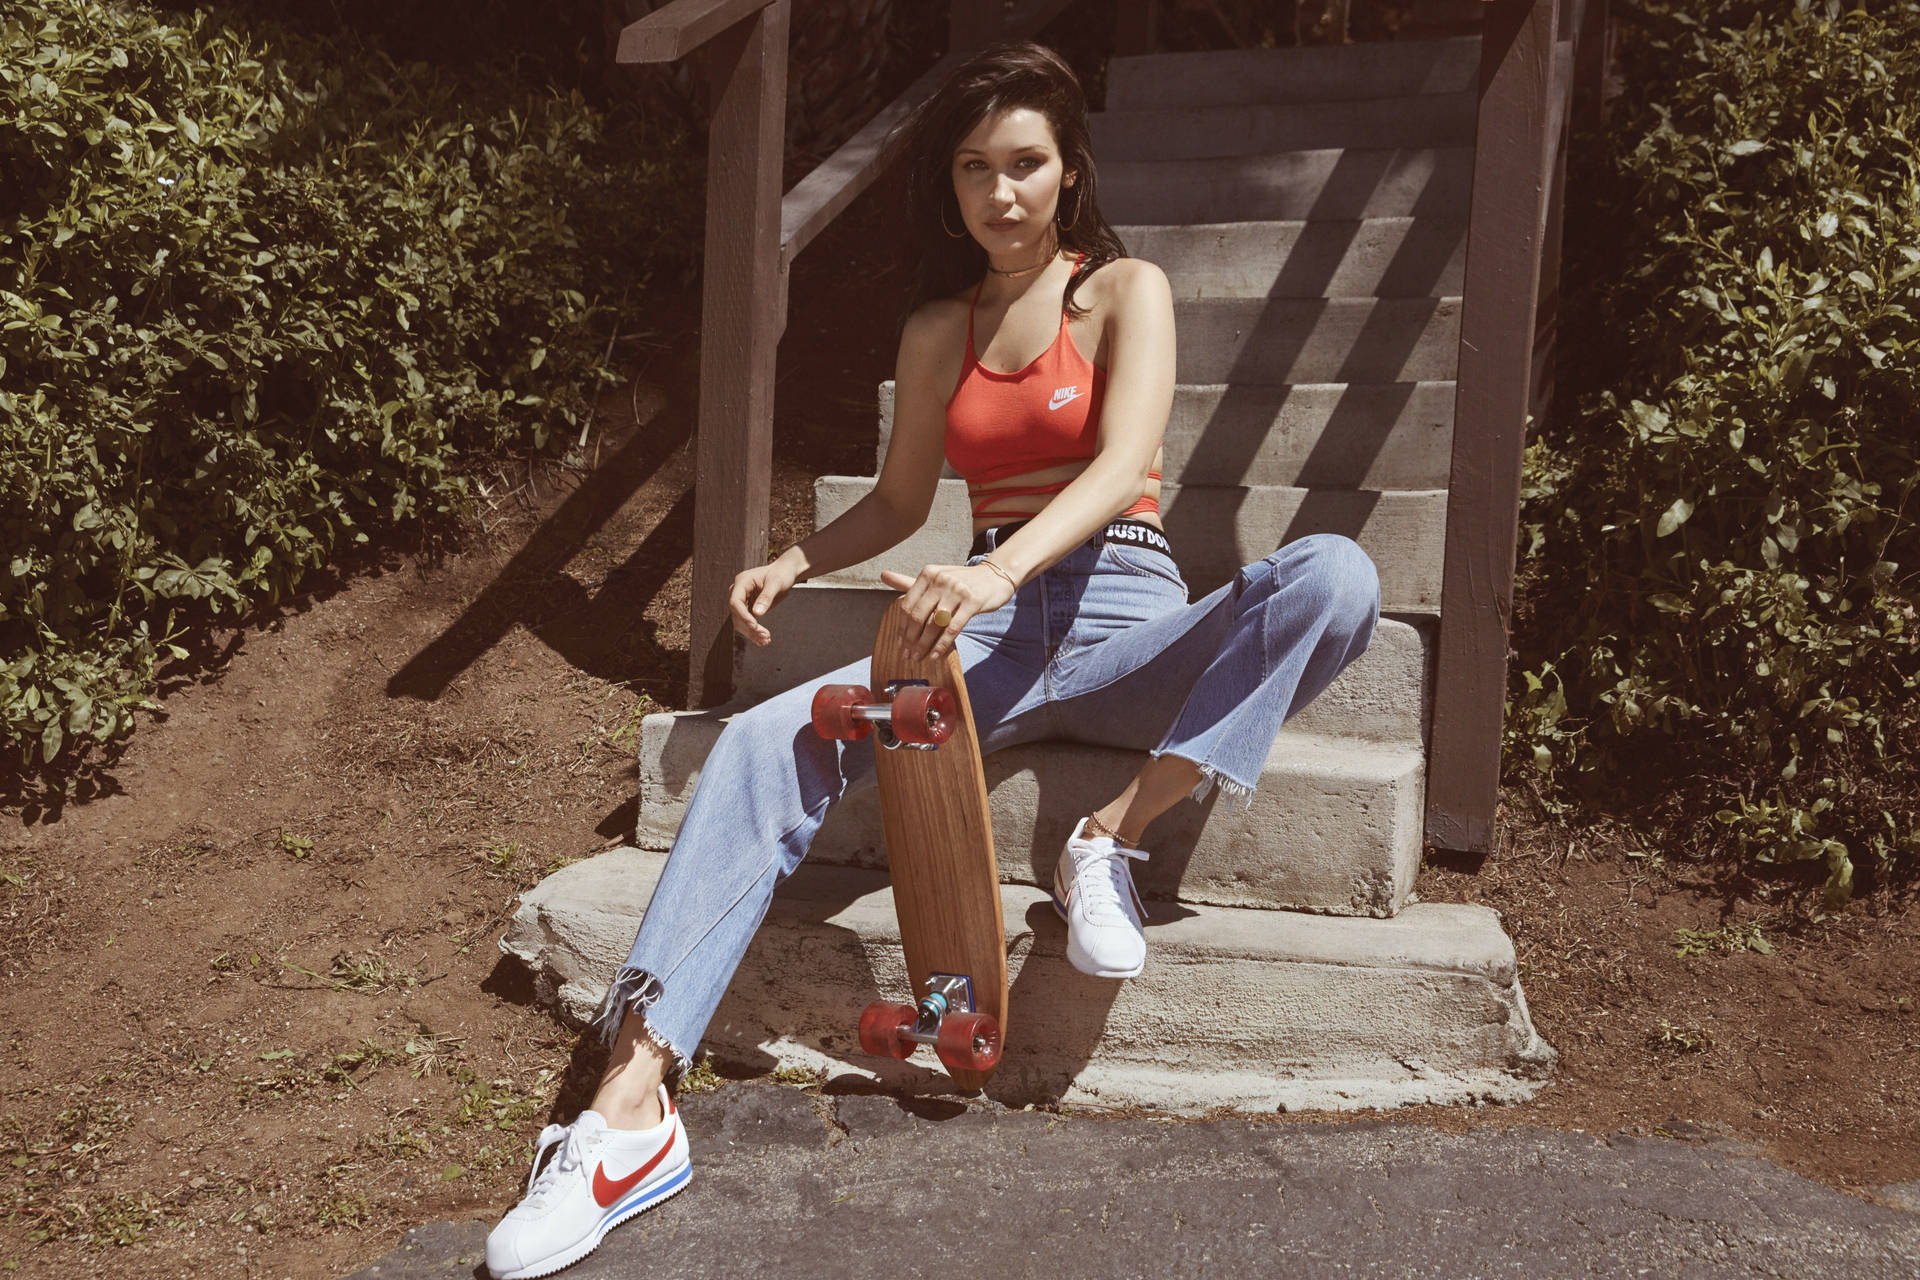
868	1185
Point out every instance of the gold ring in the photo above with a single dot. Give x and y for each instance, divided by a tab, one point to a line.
942	619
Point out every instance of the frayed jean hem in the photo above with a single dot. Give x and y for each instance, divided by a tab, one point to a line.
634	991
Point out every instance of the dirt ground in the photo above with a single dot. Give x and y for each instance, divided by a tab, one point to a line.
255	1021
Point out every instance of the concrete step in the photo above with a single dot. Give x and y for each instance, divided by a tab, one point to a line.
1319	73
1242	1009
822	626
1184	133
1391	435
1335	824
1376	257
1283	341
1214	529
1327	183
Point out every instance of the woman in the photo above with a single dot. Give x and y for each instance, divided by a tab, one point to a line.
1070	615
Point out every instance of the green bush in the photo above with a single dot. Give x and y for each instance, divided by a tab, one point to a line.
1720	542
255	301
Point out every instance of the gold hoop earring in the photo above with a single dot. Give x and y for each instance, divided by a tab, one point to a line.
1068	226
957	235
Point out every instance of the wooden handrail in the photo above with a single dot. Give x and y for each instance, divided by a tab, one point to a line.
820	197
671	33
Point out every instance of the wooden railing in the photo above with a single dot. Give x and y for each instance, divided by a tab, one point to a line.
753	235
1533	56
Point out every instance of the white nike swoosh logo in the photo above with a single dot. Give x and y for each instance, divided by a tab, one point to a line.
1071	394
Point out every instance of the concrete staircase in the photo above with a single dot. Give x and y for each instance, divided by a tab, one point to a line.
1309	207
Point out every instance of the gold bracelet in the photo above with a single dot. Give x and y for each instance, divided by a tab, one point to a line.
1002	572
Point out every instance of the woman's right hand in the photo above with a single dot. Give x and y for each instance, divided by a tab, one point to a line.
757	590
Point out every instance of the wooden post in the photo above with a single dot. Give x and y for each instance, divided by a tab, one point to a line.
740	332
1135	28
1546	333
1489	424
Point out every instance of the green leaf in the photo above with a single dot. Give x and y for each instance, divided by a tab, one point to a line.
1674	516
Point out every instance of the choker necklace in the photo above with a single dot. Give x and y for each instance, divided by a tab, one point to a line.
1024	271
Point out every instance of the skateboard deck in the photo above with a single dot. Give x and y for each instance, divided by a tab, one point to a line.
946	883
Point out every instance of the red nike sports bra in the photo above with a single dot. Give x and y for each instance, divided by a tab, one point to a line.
1045	415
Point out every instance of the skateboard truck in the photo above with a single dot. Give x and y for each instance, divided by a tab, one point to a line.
963	1039
916	714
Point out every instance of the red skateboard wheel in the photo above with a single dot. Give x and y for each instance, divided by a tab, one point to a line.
882	1025
925	713
833	715
968	1042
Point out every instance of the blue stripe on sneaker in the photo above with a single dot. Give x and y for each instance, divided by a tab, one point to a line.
652	1195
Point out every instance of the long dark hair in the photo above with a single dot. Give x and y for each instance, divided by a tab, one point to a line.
1000	78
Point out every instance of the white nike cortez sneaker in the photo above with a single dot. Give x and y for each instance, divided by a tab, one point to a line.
598	1178
1093	892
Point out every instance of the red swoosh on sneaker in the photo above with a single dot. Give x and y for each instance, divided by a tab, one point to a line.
608	1190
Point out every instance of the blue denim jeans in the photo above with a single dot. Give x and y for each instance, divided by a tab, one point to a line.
1103	647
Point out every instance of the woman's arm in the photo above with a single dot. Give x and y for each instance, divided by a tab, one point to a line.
901	497
1133	417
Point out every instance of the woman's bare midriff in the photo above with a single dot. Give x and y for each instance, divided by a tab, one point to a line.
1016	503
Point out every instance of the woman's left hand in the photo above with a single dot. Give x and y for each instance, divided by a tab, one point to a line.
962	591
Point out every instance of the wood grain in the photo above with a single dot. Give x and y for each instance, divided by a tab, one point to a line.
946	884
740	334
1504	234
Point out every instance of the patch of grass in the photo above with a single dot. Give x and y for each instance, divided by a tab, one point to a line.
344	1066
797	1077
184	851
400	1144
368	975
16	869
1741	936
1668	1038
47	1197
700	1077
119	1219
349	1209
626	736
124	1219
258	1219
427	1052
493	1104
284	1076
89	1124
501	859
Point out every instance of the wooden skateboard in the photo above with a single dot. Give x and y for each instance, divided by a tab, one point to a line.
946	884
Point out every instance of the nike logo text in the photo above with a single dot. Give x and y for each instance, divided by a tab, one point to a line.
1064	395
